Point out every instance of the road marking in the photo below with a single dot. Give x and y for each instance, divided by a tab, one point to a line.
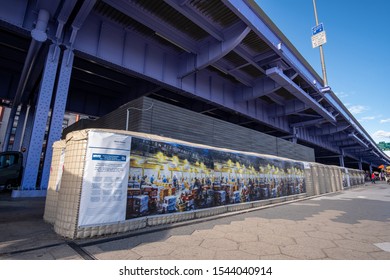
305	204
331	198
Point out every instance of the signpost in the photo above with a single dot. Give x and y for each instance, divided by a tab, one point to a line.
317	40
318	37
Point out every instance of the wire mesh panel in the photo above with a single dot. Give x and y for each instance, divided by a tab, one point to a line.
53	188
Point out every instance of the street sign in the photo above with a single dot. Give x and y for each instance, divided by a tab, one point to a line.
318	39
317	29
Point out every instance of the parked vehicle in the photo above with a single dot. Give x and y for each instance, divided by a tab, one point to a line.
11	170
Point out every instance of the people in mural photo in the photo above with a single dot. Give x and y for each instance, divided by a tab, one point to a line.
168	177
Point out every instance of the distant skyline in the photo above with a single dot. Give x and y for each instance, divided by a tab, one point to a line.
356	53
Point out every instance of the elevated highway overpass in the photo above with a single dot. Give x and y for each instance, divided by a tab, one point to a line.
224	59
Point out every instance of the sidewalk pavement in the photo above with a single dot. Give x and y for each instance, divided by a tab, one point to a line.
352	224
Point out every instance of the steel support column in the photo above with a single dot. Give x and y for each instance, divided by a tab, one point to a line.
24	76
23	114
360	164
40	120
38	35
341	158
21	127
27	132
58	112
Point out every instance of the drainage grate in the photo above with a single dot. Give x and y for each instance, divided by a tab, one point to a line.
83	253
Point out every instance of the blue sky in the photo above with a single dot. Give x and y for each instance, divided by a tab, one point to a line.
357	52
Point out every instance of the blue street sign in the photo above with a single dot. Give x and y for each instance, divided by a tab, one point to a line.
317	29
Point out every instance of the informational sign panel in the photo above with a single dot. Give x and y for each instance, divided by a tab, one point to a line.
319	36
105	180
318	39
317	29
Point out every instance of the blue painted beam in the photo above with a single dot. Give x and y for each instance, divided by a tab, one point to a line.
358	140
131	51
153	63
330	129
267	55
339	106
354	147
63	17
336	137
309	123
169	33
191	14
277	99
250	16
79	20
252	60
346	142
289	108
278	76
83	13
13	11
138	55
262	86
209	54
242	77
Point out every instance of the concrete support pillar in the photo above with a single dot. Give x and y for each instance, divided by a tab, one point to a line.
34	149
58	112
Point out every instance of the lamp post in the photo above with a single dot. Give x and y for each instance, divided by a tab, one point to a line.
321	50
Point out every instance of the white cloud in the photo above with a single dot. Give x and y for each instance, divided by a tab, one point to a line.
341	94
385	121
368	118
357	109
381	135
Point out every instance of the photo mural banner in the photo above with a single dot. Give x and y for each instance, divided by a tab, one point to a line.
167	177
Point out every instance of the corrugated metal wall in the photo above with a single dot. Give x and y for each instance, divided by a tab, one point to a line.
155	117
